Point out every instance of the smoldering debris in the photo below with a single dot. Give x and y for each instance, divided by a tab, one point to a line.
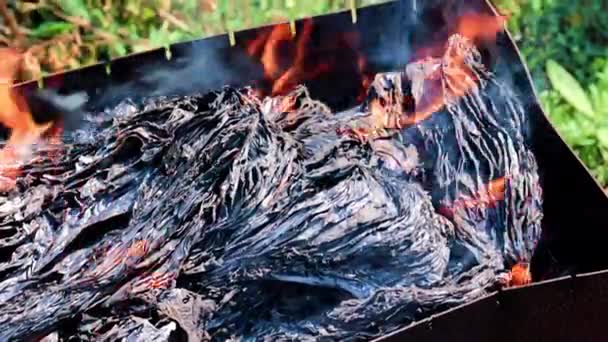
223	216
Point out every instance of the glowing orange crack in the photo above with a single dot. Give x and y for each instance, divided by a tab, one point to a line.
487	197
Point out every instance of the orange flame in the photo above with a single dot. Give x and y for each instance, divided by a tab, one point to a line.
473	27
492	193
481	26
488	197
284	58
520	274
16	116
435	78
288	61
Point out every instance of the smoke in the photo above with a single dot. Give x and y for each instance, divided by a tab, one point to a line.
206	65
204	69
48	105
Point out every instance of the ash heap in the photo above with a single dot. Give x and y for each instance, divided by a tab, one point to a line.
226	216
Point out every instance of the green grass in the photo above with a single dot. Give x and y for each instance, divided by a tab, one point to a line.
568	38
64	34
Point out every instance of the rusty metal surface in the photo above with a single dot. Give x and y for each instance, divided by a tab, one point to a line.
576	208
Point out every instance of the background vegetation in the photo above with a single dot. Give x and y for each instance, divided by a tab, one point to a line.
565	45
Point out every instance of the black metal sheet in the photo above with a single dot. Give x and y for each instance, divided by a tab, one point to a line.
475	318
565	309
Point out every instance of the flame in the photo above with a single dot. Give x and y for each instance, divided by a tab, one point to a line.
449	59
284	58
481	26
520	274
434	79
487	197
427	90
473	26
16	116
268	46
289	61
492	193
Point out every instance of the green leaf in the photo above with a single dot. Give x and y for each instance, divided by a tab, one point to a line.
119	49
132	7
155	37
76	8
176	36
569	88
602	136
51	28
148	13
98	18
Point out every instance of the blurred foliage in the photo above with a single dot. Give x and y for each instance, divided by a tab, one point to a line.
565	44
581	115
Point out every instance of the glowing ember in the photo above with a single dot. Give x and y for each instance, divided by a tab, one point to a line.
157	280
520	274
15	115
54	136
138	249
488	197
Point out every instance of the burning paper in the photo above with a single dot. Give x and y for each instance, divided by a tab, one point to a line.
263	213
226	215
